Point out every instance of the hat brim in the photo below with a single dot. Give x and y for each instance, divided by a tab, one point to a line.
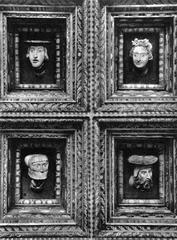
142	160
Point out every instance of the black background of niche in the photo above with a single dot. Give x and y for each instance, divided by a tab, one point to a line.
25	65
26	28
49	188
127	60
48	146
129	191
130	148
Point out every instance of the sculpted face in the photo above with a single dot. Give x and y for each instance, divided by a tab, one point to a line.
142	175
145	174
143	180
36	55
37	170
38	167
140	56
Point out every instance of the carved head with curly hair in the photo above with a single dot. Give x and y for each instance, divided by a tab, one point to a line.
141	52
141	179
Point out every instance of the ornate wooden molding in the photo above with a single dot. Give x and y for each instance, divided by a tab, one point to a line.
141	109
69	217
140	231
76	88
41	2
22	107
107	90
89	112
39	230
165	126
156	222
130	4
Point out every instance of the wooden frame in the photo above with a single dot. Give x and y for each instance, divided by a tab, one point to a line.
132	113
61	146
120	214
124	38
55	175
65	68
69	92
92	115
121	207
61	143
158	32
118	30
126	194
52	35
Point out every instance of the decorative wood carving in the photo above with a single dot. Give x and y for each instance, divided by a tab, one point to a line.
60	219
113	223
139	231
141	109
91	115
41	2
137	2
13	231
76	89
109	56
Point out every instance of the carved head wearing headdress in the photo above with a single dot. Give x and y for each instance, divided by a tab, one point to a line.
141	52
142	173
